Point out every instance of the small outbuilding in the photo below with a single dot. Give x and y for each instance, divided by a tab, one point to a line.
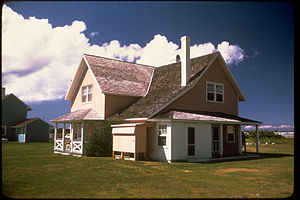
33	130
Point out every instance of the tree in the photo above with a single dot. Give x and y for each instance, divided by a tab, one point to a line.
100	142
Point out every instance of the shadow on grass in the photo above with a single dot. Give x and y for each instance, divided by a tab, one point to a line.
274	155
253	157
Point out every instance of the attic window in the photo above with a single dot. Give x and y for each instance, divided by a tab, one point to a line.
87	93
214	92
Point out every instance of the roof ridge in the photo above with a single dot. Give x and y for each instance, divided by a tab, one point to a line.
194	58
118	60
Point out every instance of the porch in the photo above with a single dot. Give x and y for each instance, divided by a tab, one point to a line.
73	130
69	141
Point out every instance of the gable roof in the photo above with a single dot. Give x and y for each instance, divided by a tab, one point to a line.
9	96
114	76
27	121
165	87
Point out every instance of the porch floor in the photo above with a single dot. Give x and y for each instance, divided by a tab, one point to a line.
238	157
67	152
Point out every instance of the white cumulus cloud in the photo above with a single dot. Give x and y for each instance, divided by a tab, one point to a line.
39	60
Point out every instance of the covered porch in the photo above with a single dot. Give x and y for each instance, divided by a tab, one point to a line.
73	130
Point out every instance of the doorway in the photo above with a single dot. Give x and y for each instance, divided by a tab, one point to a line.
215	141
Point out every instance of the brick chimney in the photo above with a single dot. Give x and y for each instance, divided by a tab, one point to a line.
185	60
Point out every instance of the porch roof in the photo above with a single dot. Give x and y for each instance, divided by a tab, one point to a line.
205	116
79	115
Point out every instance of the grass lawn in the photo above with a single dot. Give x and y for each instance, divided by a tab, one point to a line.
33	171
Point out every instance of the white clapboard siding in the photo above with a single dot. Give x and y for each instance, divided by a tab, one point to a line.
179	140
157	152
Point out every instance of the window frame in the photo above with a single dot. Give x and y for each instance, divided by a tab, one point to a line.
214	92
162	134
233	133
88	95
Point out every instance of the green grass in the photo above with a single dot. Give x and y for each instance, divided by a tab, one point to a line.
33	171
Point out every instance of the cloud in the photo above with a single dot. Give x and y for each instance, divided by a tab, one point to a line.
39	60
269	127
92	34
158	51
232	54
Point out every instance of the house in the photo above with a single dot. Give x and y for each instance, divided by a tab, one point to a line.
181	111
16	126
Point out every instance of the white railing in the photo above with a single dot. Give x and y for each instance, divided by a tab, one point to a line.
58	145
77	147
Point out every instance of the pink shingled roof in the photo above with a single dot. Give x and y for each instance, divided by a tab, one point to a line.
119	77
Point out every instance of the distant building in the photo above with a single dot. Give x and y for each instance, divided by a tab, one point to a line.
16	126
286	134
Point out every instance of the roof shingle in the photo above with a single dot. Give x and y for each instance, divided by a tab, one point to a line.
119	77
165	86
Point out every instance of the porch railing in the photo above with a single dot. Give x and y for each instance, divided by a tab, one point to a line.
77	147
58	145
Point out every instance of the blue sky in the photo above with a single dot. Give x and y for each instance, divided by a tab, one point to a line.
258	39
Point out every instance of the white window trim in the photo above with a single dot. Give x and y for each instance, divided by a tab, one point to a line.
87	95
215	92
163	134
230	133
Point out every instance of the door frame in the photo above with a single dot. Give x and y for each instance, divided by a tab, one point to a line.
215	153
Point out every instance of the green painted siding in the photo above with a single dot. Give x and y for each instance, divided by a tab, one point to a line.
13	111
37	131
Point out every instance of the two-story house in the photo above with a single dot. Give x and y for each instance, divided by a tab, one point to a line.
181	111
15	124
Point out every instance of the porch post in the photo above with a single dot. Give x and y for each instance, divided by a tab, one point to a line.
240	140
63	137
221	139
257	139
55	132
71	135
82	127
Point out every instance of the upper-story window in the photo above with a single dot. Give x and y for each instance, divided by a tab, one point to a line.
214	92
87	93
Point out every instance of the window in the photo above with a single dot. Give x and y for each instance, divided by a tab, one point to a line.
191	141
87	94
214	92
162	135
230	136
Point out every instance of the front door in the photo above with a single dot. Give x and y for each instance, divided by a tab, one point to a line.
215	141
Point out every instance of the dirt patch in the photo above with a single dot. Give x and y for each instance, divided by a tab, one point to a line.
187	171
159	167
249	178
127	166
239	170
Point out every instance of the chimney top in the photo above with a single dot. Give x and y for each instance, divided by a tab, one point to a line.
177	58
185	60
